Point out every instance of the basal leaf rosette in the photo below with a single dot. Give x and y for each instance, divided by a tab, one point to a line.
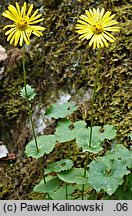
63	132
121	153
60	110
58	166
51	185
80	124
82	140
82	135
108	133
60	193
74	175
106	174
45	143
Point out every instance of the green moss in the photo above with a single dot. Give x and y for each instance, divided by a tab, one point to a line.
115	79
17	180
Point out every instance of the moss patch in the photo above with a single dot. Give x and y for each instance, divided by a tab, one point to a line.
19	179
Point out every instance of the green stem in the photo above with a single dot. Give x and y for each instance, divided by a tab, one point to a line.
92	118
30	117
85	170
66	192
93	97
42	169
28	104
74	152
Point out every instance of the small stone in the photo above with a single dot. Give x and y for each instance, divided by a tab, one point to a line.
3	151
3	54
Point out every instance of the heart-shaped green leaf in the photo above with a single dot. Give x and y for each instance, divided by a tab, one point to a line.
45	144
30	92
50	185
63	132
60	110
58	166
74	175
106	174
60	193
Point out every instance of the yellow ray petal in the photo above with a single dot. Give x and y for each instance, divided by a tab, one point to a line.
92	16
18	9
8	15
21	38
37	33
86	19
26	39
12	39
9	26
86	36
34	28
100	41
89	17
23	10
95	42
13	11
106	16
34	14
91	41
111	23
17	37
9	31
10	35
30	10
108	38
104	40
109	19
34	18
82	23
95	15
114	29
110	35
101	14
36	21
85	30
98	14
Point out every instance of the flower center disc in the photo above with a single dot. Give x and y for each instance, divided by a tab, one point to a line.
98	28
22	24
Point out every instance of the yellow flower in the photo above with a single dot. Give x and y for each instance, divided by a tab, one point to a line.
95	26
23	25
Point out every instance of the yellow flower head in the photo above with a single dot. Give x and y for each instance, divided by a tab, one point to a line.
95	26
23	25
